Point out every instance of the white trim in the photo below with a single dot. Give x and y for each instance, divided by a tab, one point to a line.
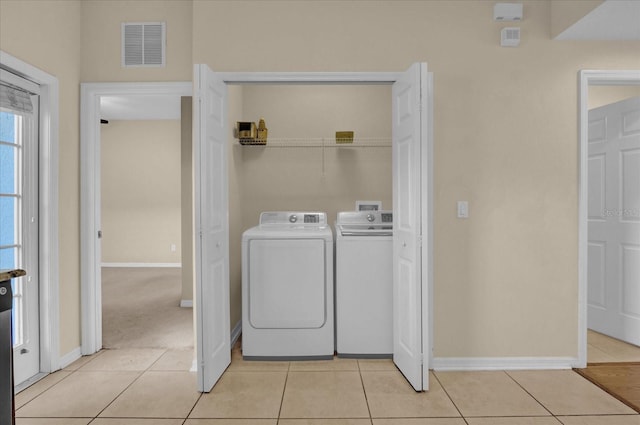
501	363
90	249
172	265
309	77
588	78
235	333
186	303
48	209
70	357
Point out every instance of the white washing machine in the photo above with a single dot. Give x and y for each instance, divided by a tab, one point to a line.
364	284
287	287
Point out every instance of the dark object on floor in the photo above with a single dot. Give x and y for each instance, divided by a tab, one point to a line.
621	380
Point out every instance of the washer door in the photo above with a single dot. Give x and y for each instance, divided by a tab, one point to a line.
287	283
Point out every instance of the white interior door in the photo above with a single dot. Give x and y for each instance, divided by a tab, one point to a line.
410	133
211	226
614	220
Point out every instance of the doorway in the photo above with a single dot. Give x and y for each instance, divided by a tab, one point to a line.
587	80
91	257
614	224
140	223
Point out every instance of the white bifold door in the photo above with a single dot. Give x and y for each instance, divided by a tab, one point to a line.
411	131
212	226
614	220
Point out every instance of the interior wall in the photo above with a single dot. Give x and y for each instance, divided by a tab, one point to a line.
22	25
506	278
141	201
327	179
101	39
505	133
604	95
186	197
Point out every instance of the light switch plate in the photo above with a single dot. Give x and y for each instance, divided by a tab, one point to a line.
463	209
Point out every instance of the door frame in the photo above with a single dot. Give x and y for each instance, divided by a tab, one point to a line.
89	142
90	252
588	78
48	250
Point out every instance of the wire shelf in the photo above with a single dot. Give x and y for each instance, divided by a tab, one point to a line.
319	142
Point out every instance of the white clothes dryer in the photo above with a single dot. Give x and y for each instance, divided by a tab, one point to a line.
287	287
364	284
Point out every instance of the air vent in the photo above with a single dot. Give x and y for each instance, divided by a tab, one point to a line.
143	44
510	37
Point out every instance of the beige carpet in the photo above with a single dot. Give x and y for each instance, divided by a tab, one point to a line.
141	309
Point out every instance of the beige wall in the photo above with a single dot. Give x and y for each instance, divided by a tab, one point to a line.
505	140
101	39
329	179
47	35
505	134
141	191
186	195
604	95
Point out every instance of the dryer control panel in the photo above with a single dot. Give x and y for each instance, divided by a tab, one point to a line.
301	218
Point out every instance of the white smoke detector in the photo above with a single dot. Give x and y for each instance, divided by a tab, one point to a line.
507	12
510	37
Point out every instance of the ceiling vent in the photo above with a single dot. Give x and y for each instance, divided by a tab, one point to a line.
143	44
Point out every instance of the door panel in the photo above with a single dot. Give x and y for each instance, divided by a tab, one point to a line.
409	131
211	221
614	220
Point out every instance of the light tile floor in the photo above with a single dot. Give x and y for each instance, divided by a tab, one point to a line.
155	387
604	349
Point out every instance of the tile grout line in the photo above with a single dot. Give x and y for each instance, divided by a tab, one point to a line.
531	395
364	390
128	386
192	408
70	371
450	398
284	389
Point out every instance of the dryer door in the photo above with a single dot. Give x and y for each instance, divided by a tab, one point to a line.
287	283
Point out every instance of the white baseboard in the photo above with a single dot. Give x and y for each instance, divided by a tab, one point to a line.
502	363
70	357
235	333
178	265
